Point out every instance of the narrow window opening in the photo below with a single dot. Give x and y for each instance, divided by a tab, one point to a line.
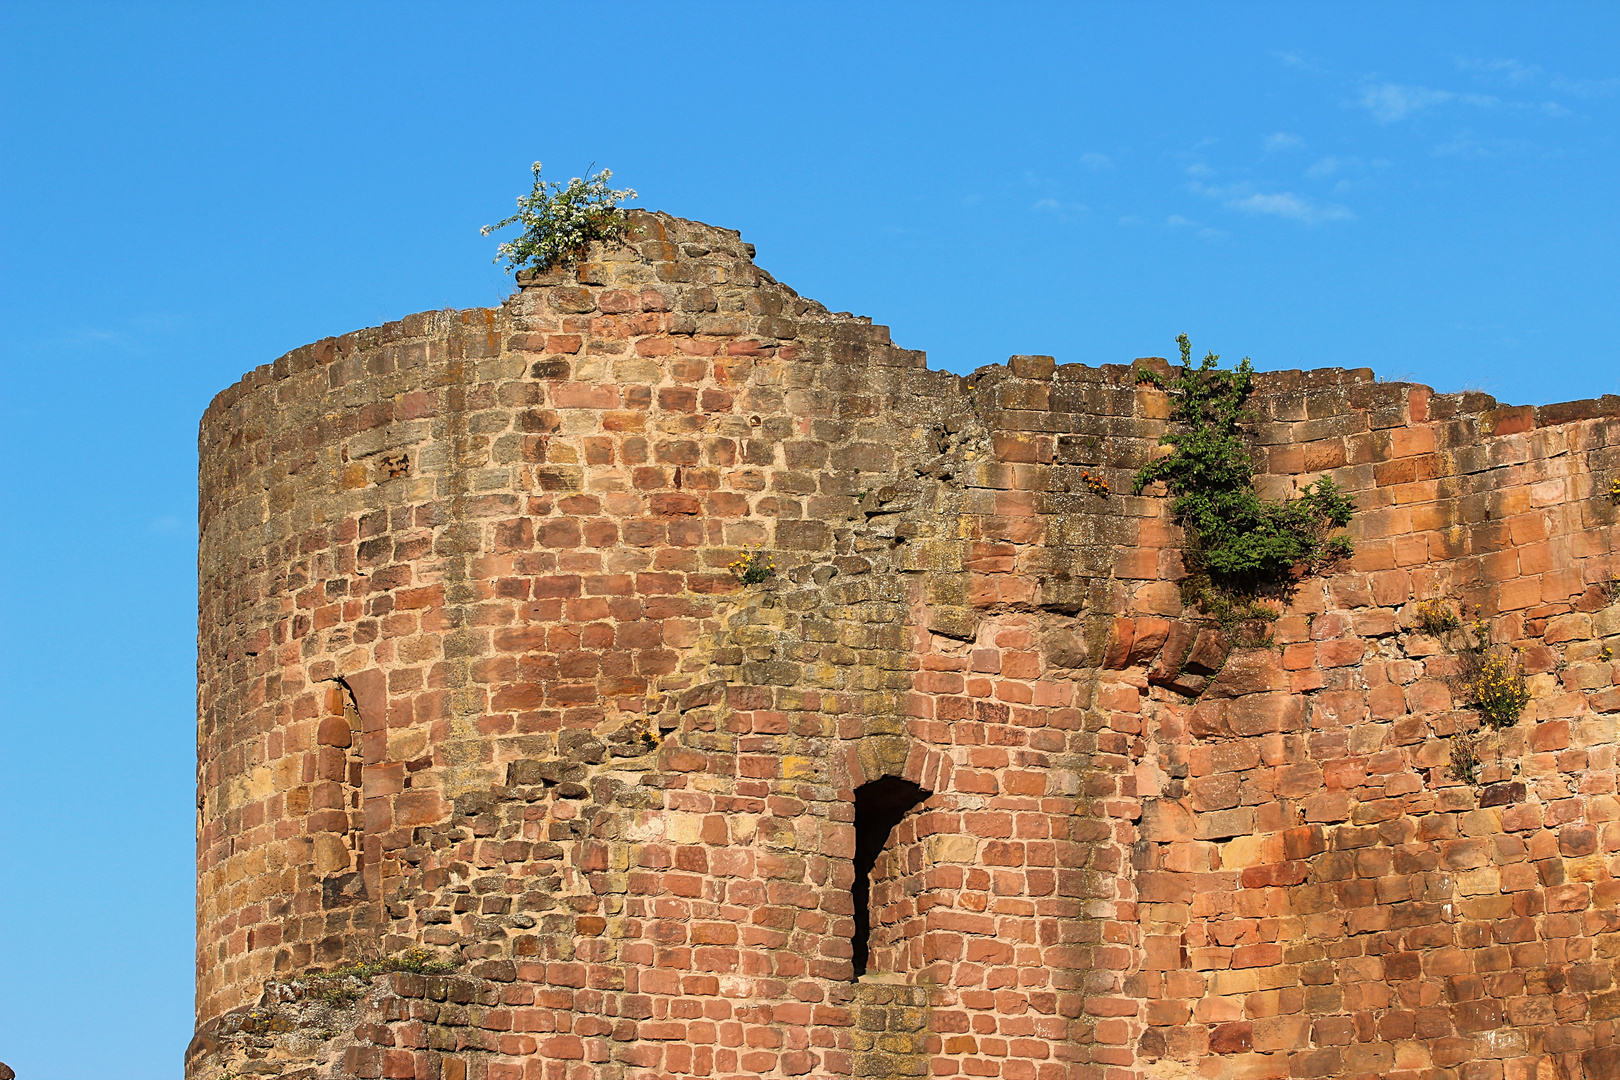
354	784
339	802
879	807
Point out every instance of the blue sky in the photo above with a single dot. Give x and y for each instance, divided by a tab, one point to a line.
189	191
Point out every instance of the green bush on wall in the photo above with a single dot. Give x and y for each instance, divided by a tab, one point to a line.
559	221
1243	543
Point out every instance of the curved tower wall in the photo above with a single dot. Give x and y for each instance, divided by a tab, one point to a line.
475	675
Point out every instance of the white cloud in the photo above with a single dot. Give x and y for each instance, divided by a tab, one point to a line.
1097	162
1586	88
1282	140
1204	232
1063	211
1389	102
1283	204
1298	62
93	337
1330	166
1513	71
1464	145
1324	168
1286	204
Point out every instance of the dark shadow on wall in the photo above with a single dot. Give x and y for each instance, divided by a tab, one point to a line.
879	807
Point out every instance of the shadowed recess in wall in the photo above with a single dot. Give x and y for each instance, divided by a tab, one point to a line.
879	807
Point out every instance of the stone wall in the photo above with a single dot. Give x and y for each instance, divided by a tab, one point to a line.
475	675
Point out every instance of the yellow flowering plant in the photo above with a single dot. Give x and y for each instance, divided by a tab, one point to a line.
1497	689
752	566
1435	617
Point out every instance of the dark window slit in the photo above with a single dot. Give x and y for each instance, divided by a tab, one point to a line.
879	807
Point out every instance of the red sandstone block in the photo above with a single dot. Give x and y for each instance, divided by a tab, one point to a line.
1303	682
570	395
1517	594
1119	698
1148	637
1559	585
1257	714
1016	503
1329	806
1350	591
1286	459
1428	696
1256	956
1404	442
1021	665
1550	735
1339	653
1165	820
1232	1038
1118	649
1325	454
1139	564
1391	588
399	1063
1386	702
1021	446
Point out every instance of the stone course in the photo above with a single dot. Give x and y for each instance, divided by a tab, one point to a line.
474	675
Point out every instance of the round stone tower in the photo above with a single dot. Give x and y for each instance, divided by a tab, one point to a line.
588	644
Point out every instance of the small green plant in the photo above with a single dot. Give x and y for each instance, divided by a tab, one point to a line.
1466	766
1245	621
1614	491
559	221
417	961
645	732
1240	545
337	989
1435	617
346	983
1094	483
752	566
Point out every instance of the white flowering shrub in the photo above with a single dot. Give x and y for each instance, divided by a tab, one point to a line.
559	221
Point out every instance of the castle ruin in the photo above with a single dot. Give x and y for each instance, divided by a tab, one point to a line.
961	788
